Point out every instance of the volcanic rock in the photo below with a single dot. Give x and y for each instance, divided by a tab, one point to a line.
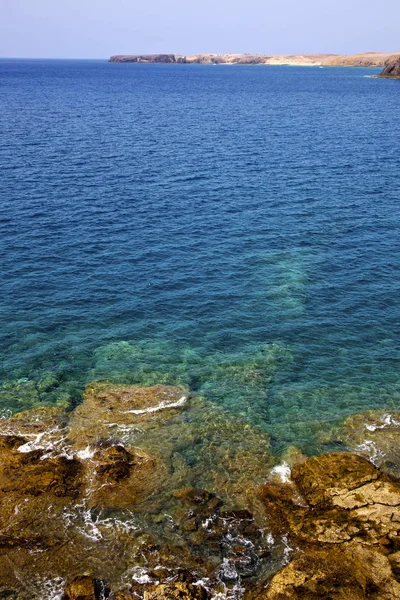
85	588
391	67
176	591
376	435
343	516
112	410
331	574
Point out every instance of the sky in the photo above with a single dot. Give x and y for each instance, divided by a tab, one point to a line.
100	28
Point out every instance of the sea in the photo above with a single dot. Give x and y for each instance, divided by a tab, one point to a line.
230	229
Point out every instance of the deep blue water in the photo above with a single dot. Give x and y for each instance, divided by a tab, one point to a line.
234	229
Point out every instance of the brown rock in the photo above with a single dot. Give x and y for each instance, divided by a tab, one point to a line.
120	478
113	463
112	411
176	591
376	435
334	574
320	479
392	67
343	514
85	588
31	473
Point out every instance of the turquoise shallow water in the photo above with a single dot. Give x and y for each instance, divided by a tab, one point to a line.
234	230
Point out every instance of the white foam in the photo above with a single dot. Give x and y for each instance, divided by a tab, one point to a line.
287	549
51	589
161	406
282	471
95	528
51	441
270	539
386	421
140	575
370	448
86	454
35	444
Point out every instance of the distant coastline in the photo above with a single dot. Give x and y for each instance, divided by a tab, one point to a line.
366	59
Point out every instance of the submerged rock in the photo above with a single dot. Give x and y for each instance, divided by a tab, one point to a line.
375	434
106	490
120	478
112	410
157	492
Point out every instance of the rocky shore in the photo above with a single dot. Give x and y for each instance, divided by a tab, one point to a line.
153	493
391	68
367	59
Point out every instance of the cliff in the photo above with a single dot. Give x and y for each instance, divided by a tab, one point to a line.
364	59
392	67
232	59
367	59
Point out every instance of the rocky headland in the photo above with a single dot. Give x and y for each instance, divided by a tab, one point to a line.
154	493
367	59
391	68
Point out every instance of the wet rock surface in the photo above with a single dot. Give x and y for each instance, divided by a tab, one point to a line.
376	435
98	495
85	588
133	495
342	516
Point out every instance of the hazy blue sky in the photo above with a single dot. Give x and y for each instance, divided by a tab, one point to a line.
99	28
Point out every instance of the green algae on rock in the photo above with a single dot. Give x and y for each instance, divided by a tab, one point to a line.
151	492
104	482
375	434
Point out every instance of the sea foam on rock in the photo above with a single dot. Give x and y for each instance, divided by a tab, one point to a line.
101	495
150	492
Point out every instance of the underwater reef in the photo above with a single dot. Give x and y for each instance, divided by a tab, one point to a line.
154	492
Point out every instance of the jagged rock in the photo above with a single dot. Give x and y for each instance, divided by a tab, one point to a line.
86	588
391	67
113	463
120	478
26	472
394	560
332	574
176	591
109	411
328	475
343	515
338	498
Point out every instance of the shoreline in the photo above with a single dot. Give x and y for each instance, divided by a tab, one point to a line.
102	498
369	59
